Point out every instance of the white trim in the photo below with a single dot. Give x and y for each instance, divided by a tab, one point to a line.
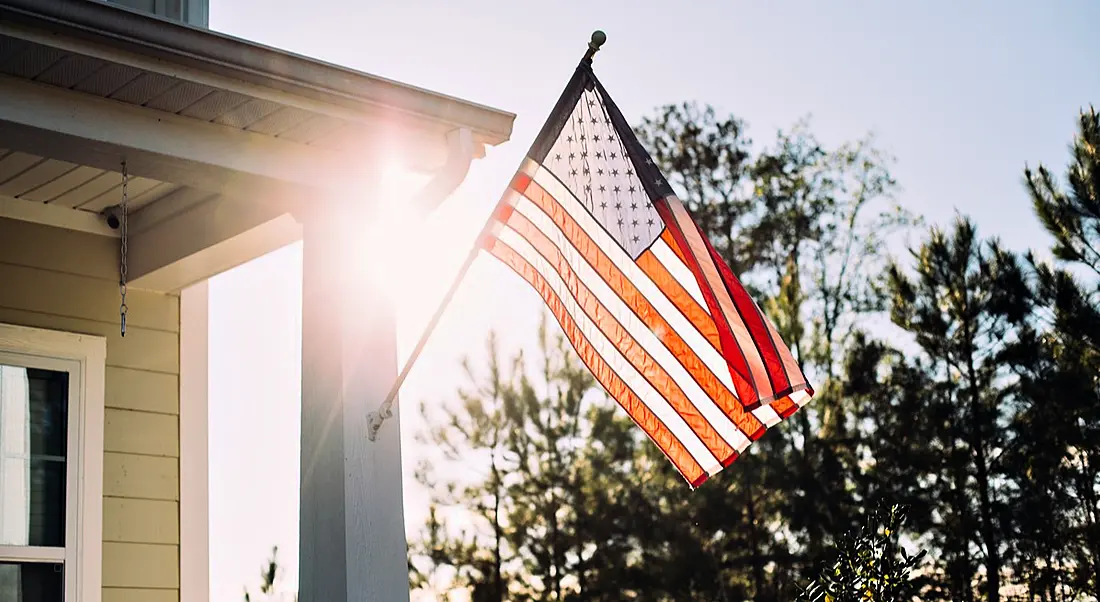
461	152
31	554
194	444
206	239
88	357
93	131
168	206
54	215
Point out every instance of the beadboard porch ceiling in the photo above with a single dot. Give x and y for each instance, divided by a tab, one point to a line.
62	184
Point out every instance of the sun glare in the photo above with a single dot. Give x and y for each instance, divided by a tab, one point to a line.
409	253
391	240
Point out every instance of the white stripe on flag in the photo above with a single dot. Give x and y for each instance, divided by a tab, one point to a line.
628	319
679	271
619	364
767	415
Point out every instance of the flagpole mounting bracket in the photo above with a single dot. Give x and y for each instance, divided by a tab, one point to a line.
598	40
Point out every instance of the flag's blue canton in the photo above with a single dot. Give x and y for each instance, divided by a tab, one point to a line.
592	163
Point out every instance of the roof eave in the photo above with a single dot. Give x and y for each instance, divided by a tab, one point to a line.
227	56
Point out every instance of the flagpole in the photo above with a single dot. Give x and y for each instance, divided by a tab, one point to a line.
384	411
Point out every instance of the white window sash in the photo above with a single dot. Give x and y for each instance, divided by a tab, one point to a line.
84	357
32	554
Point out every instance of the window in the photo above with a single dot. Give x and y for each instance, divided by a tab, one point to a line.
192	12
51	468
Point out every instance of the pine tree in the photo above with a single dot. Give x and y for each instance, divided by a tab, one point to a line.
1057	507
557	467
960	307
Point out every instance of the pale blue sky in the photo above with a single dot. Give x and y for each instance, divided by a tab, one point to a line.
963	96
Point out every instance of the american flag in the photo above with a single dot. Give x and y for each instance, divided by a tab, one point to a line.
649	305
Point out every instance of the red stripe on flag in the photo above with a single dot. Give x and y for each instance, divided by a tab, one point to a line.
670	240
520	182
503	212
754	321
784	407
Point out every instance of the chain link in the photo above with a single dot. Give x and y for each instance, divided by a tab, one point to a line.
123	219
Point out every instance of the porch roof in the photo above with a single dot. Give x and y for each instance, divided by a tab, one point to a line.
238	81
209	125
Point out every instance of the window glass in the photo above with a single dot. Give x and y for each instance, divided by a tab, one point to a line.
163	8
33	448
31	582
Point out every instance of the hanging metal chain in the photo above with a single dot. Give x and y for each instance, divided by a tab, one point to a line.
123	219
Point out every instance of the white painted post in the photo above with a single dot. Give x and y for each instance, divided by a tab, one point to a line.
194	444
353	544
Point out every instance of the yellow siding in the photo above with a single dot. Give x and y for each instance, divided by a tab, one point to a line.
143	477
141	565
65	280
141	521
132	594
146	433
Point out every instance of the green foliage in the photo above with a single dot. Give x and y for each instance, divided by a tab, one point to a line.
268	576
870	564
1072	216
958	308
552	468
1057	458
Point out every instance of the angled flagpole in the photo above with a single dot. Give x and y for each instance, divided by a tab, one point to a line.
384	411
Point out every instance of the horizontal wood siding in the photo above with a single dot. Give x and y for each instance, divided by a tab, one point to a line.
146	433
128	520
142	477
64	280
133	594
141	565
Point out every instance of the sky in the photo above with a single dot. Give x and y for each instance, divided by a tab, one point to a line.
963	95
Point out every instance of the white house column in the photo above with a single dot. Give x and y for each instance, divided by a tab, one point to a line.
194	392
353	544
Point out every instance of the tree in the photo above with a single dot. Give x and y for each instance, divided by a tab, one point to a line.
268	577
1057	507
555	471
960	308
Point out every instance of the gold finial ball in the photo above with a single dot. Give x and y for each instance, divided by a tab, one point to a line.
598	38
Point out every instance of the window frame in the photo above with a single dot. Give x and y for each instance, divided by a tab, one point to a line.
84	357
